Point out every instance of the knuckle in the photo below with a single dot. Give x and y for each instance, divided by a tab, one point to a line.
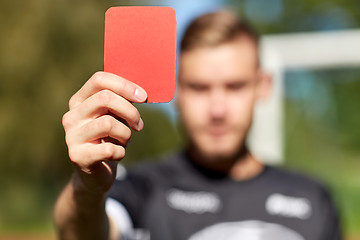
134	114
123	84
104	97
108	151
107	123
98	78
126	86
121	153
72	102
74	155
113	152
68	139
127	134
66	121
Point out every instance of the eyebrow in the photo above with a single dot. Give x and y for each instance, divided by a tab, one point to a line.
193	84
183	81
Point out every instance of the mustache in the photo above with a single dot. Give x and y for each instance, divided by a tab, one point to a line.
219	126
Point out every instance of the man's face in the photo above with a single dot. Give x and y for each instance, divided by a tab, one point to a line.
217	90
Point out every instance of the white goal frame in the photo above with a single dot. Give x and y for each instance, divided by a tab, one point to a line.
316	50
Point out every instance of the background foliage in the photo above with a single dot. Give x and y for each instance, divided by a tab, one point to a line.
50	48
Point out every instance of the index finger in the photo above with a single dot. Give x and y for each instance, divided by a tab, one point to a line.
103	80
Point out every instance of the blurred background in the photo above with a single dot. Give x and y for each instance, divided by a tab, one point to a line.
49	49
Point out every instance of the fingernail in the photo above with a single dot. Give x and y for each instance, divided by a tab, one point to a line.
140	95
140	125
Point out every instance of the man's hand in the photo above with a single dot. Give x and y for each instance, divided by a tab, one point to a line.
97	128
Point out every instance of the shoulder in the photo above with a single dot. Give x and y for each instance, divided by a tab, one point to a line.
296	182
293	187
280	173
160	168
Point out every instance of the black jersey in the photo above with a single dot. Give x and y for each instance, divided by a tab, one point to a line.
178	200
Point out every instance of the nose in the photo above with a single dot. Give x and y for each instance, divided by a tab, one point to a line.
217	104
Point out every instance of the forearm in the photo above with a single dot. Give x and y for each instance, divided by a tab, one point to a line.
80	214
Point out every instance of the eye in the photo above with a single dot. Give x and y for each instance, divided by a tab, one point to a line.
236	85
197	87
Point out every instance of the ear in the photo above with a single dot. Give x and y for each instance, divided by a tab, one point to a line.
264	85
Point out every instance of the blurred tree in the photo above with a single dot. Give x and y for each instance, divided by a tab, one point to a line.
48	50
285	16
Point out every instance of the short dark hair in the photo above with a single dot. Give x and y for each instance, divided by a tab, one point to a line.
216	28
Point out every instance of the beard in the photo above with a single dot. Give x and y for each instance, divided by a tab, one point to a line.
238	152
214	156
217	162
217	144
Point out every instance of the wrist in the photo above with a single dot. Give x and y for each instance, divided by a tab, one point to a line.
83	188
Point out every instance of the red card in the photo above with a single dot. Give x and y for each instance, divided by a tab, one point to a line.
140	45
